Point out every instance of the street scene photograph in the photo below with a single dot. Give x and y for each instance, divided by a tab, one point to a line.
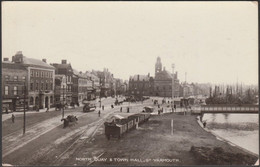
169	83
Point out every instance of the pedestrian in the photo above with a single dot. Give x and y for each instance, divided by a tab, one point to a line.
47	109
158	111
174	107
120	109
103	107
99	113
128	110
158	105
112	106
204	124
13	117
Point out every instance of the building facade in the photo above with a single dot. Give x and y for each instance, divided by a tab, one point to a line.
14	81
141	85
65	69
163	82
60	89
40	82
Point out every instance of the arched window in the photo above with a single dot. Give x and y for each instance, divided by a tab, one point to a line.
31	100
37	101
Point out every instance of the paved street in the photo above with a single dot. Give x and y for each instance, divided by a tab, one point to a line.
45	138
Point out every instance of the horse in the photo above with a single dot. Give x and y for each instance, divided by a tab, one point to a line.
70	118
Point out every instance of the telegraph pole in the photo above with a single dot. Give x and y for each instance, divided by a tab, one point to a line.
24	109
100	92
63	102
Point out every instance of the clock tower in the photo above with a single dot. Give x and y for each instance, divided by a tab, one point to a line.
158	65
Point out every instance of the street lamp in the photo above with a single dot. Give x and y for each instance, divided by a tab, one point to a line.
173	80
24	109
63	87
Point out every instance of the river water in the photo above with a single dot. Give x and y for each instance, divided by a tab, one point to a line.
240	129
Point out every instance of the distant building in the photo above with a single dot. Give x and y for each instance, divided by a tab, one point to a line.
106	82
65	69
163	81
86	87
141	85
75	89
96	84
14	78
60	89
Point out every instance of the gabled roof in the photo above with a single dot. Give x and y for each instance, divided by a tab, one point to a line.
36	63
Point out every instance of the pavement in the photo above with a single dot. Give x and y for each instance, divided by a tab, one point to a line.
9	115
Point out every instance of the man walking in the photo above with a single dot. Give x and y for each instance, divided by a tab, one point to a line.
13	117
99	113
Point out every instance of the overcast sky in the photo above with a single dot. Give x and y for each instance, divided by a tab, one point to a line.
212	41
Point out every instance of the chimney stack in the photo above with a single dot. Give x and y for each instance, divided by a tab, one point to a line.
63	61
148	74
44	60
18	58
138	77
6	59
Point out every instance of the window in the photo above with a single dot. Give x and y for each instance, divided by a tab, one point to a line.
31	86
7	77
51	75
42	86
15	90
37	74
6	90
37	86
42	74
15	78
31	73
31	100
47	75
46	86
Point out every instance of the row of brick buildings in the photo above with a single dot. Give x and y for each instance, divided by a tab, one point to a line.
41	85
161	84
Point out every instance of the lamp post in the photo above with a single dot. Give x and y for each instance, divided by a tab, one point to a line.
100	92
173	80
63	88
24	109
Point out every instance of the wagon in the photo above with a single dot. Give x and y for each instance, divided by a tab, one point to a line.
121	125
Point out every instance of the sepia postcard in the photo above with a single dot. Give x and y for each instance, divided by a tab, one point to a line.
148	83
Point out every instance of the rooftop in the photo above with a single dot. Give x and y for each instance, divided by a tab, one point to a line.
36	62
141	77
